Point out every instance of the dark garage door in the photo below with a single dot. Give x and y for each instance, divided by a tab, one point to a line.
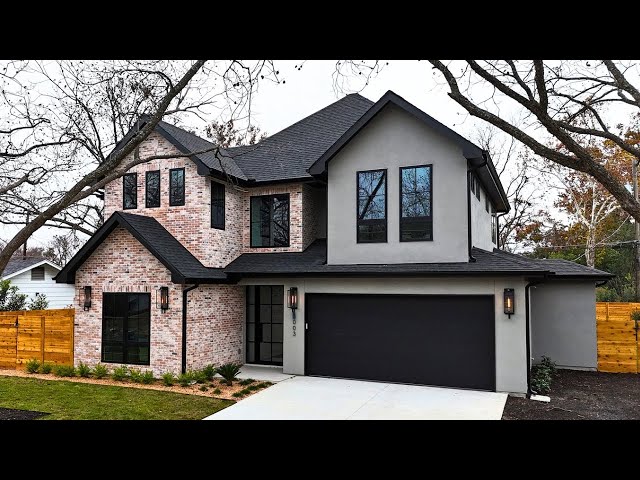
443	340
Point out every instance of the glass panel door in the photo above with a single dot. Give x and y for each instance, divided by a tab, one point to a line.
265	317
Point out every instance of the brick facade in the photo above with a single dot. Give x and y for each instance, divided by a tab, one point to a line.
215	313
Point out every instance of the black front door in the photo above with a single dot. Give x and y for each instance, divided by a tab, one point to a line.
265	315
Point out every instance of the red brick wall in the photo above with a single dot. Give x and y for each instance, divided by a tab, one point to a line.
215	313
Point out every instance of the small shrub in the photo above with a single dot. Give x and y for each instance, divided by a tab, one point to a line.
147	377
229	372
46	368
199	376
100	371
168	379
84	370
119	374
186	379
135	375
245	391
209	371
39	302
33	365
264	384
237	394
217	391
247	381
203	388
64	371
253	388
542	376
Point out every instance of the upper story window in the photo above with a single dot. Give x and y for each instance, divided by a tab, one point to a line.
494	226
37	273
416	195
217	205
176	187
478	187
129	191
372	206
486	203
270	221
152	189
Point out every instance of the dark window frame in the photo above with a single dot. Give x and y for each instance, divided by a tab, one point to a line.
386	207
478	187
172	202
124	190
288	195
487	206
125	342
430	219
39	268
146	189
494	226
258	331
220	224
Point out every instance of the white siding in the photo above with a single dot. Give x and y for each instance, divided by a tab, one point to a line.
480	223
60	295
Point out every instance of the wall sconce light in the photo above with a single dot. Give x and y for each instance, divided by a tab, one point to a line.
292	301
509	301
164	298
87	298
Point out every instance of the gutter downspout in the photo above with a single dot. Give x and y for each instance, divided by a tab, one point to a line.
184	325
469	171
528	334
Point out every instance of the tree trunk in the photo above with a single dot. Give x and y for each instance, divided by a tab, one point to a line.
590	250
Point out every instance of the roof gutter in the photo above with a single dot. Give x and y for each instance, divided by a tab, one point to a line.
527	302
184	325
470	171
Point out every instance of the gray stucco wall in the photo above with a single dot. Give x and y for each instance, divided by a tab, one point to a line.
394	139
480	223
509	332
563	323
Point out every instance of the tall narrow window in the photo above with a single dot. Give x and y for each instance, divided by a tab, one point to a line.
152	190
372	206
472	183
176	187
416	216
217	205
494	226
129	191
270	221
486	203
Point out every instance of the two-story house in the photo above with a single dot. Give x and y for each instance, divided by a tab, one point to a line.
360	242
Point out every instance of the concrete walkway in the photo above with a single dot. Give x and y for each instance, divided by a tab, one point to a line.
312	398
264	373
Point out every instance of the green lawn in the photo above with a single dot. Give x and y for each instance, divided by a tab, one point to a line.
84	401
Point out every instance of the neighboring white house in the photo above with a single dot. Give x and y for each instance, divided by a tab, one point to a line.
35	275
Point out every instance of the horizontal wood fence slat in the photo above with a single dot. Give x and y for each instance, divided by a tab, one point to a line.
617	337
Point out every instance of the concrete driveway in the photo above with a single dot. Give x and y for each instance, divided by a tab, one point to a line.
312	398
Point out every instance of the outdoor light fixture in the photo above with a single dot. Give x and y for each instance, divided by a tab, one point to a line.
164	298
87	298
509	301
293	300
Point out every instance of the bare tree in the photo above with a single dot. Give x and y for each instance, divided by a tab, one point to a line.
61	248
226	134
63	118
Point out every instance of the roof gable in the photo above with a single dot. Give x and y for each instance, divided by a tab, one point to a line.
184	267
17	266
476	156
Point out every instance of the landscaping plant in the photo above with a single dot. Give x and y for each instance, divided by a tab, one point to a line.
635	315
84	370
147	377
229	372
209	371
199	376
168	379
185	379
100	371
64	371
203	388
542	375
33	365
119	374
135	375
46	368
247	381
217	391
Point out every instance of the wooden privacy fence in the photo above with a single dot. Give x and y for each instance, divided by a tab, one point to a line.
46	335
617	337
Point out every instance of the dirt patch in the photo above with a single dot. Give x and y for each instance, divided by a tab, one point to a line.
226	392
12	414
580	395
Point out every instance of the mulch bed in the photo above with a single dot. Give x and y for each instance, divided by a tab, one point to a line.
11	414
578	395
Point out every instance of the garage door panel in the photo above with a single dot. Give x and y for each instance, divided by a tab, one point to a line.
424	339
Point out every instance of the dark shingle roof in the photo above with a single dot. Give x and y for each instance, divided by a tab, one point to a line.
17	264
290	152
560	267
184	267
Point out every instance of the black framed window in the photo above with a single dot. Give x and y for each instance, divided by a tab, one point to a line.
126	327
487	206
129	191
372	206
152	189
265	318
416	209
494	226
217	205
270	221
472	183
176	187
